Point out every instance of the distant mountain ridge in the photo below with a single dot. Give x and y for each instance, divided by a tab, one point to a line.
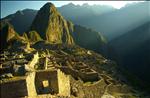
77	13
21	20
107	17
116	22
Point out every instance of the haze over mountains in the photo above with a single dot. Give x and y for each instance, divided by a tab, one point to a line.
126	30
111	22
118	21
132	50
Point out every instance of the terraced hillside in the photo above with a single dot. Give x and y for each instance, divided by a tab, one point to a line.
90	74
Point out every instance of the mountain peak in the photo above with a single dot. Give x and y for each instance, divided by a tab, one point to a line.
49	7
49	4
19	12
51	25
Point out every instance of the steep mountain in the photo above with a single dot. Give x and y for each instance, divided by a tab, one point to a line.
54	22
52	26
132	51
26	16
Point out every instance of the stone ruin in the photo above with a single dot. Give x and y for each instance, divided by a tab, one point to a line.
37	83
50	79
33	82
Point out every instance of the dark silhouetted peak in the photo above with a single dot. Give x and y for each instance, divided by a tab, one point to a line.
25	11
48	8
19	13
49	4
52	26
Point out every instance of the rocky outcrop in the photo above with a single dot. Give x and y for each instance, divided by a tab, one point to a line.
34	37
8	34
52	26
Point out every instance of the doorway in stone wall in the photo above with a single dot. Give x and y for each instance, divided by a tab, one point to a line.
45	88
46	82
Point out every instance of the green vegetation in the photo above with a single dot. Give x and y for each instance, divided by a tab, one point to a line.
34	37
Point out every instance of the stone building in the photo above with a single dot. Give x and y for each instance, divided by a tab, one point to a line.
53	82
37	83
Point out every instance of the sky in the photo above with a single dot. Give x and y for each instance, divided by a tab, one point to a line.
10	7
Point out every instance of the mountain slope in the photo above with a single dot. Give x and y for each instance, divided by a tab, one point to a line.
21	20
88	38
52	26
132	50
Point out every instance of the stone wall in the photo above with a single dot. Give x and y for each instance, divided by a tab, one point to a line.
35	60
14	89
70	71
89	76
23	86
63	83
88	89
46	75
36	83
85	76
30	80
58	82
95	90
